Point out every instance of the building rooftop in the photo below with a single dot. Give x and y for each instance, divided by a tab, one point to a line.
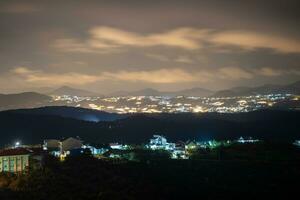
21	151
16	151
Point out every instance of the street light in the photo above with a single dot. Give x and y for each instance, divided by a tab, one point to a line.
17	144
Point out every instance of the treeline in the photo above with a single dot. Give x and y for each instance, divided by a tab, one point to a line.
225	172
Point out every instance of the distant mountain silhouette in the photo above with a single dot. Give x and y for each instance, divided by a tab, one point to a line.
65	90
72	112
23	100
267	124
145	92
293	88
287	104
33	99
200	92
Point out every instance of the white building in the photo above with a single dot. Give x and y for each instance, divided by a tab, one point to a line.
297	143
62	148
95	151
248	140
119	146
160	142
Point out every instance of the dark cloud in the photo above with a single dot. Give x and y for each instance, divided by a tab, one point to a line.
112	45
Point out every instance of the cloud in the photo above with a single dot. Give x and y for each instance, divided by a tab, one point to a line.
181	37
164	75
252	40
163	58
28	77
156	76
108	38
73	45
268	71
19	8
153	76
184	59
234	73
186	38
50	79
158	57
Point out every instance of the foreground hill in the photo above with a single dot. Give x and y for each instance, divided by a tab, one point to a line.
72	112
23	100
34	128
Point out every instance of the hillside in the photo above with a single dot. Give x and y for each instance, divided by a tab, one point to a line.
65	90
200	92
23	100
293	88
72	112
272	125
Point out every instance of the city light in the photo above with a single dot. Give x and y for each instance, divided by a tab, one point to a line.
17	144
179	104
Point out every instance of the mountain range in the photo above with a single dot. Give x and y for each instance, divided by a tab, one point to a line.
23	100
293	88
200	92
66	90
33	99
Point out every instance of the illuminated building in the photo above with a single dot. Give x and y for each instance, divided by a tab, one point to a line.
248	140
179	152
95	151
62	148
190	145
160	142
297	143
52	145
70	144
18	160
118	146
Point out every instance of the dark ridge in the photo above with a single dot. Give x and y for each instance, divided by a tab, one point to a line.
23	100
72	112
266	124
293	88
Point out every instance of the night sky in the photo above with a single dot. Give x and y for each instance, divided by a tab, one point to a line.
106	46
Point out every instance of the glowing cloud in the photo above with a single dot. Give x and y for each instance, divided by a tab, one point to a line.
253	40
108	38
24	75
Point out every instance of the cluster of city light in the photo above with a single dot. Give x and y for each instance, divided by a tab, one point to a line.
165	104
